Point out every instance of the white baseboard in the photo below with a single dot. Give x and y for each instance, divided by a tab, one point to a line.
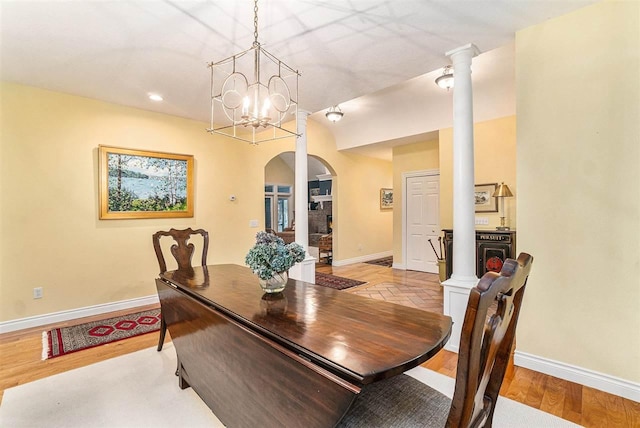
611	384
399	266
38	320
362	259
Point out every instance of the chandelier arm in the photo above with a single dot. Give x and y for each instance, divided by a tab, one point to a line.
212	95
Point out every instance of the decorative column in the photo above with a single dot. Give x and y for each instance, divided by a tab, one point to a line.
463	278
305	270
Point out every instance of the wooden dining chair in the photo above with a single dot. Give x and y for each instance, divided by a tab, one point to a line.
182	251
488	332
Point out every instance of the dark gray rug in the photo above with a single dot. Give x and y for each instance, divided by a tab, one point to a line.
385	261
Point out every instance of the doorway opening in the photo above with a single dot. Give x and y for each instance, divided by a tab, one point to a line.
279	202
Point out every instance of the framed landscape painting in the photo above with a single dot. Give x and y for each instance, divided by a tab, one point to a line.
144	184
484	200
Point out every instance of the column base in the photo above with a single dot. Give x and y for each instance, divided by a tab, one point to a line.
456	295
305	270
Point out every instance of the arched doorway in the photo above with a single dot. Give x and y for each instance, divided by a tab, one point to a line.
280	216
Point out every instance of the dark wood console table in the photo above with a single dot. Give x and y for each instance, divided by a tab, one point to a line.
291	360
493	247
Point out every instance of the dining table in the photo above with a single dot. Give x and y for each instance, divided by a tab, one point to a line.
298	358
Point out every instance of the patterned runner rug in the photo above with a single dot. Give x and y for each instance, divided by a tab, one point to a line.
385	261
337	282
62	341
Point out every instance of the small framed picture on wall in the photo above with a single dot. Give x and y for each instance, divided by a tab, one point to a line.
484	200
386	199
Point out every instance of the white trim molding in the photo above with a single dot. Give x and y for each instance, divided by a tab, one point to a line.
362	259
56	317
603	382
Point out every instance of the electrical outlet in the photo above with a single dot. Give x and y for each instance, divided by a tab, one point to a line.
253	223
37	293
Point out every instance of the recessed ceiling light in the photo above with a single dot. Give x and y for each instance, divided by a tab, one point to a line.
155	97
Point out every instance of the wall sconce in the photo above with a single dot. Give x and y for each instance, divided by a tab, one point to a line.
446	80
502	192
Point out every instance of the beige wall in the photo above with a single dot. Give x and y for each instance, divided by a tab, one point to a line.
495	161
578	95
51	235
278	172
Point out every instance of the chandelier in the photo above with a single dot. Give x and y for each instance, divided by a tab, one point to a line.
253	94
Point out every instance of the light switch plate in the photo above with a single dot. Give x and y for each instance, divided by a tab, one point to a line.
482	220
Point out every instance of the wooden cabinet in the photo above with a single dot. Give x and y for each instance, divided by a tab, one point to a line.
492	248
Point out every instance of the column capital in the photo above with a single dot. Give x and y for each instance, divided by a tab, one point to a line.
302	117
468	49
303	114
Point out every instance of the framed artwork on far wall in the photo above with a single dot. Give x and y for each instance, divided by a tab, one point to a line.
386	199
484	201
136	184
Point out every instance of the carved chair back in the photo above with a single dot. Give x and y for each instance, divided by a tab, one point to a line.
182	250
488	333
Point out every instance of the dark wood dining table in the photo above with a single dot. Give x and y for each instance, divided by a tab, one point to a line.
293	359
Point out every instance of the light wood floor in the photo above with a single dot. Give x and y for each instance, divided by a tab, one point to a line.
20	362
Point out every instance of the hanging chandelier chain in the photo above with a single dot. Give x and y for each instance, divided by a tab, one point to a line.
255	22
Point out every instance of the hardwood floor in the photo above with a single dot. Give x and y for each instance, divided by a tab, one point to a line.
20	354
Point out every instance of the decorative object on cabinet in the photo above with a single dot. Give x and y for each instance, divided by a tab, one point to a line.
502	192
485	202
144	184
493	247
386	199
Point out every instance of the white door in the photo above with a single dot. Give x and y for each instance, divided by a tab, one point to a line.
422	222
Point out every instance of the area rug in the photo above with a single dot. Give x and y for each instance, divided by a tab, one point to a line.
385	261
62	341
337	282
140	390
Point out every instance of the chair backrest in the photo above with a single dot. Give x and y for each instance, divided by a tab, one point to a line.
181	250
487	336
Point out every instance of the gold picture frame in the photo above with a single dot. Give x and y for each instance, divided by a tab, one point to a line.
386	199
485	202
138	184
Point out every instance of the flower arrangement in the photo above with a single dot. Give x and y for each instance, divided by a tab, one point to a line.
271	256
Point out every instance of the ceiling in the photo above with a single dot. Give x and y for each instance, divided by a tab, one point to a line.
346	50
